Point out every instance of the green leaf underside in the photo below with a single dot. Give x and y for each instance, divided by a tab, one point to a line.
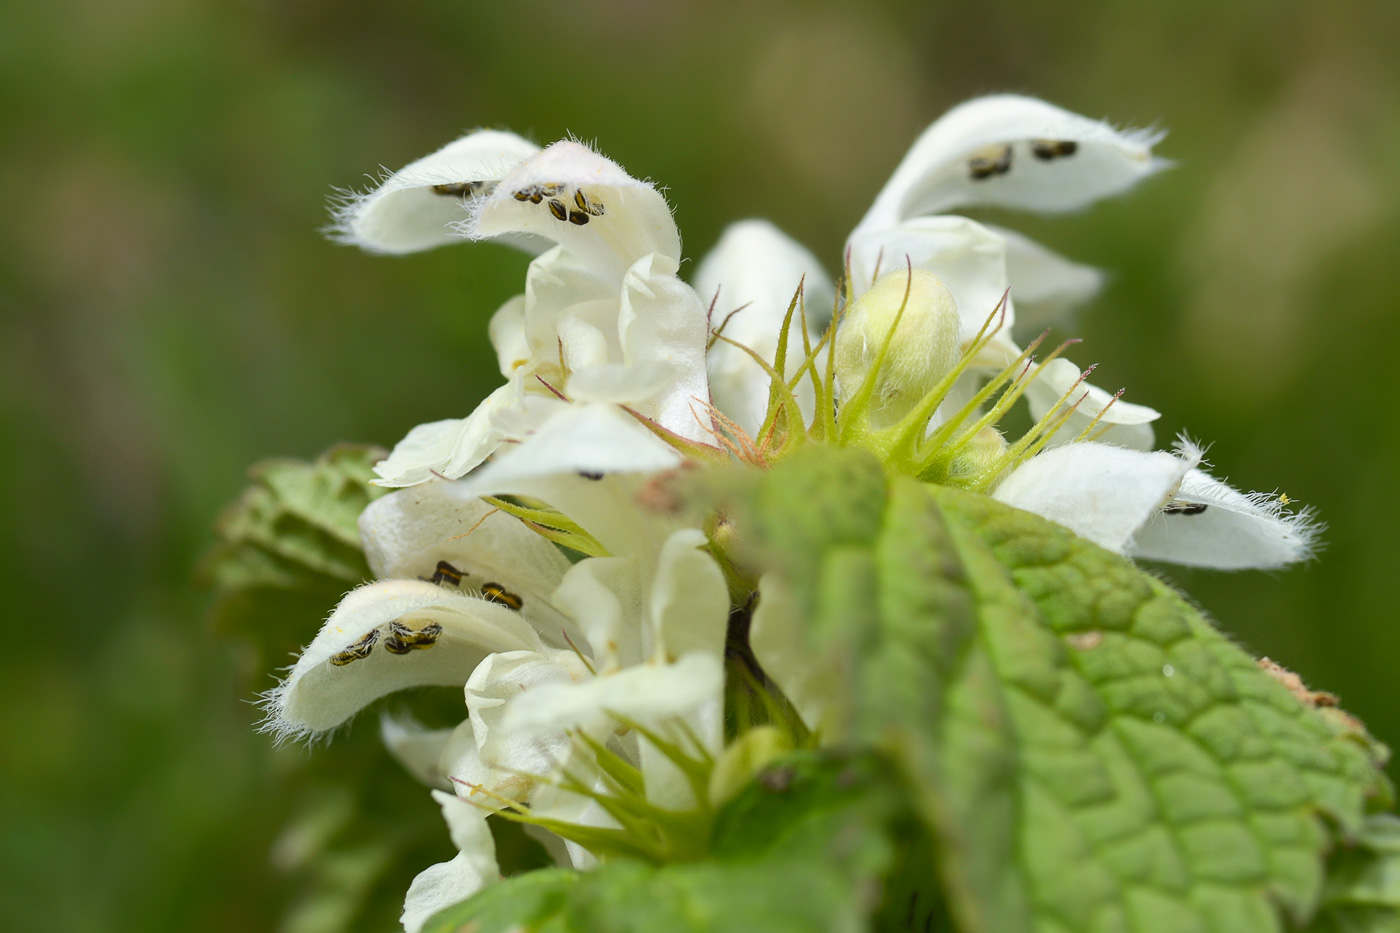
295	527
803	848
1090	753
289	547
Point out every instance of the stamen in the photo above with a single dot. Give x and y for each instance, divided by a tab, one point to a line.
715	333
559	395
579	654
474	527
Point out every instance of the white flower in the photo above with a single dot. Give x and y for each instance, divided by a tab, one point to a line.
469	596
1000	151
1158	506
604	305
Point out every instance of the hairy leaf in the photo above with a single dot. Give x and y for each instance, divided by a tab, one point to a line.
1089	752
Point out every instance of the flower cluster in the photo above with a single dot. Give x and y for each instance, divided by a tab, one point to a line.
521	558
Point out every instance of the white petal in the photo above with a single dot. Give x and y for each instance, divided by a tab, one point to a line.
648	693
319	694
551	801
560	291
941	171
1224	528
417	748
622	219
509	760
405	214
967	256
752	273
1045	284
619	383
662	321
407	533
590	462
448	448
448	883
1098	491
689	598
508	336
605	595
578	439
1127	425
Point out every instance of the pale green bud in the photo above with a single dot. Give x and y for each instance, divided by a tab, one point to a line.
748	755
923	350
982	453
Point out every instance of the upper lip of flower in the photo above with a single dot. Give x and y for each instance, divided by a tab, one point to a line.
604	304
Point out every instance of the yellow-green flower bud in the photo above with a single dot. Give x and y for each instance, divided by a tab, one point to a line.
913	314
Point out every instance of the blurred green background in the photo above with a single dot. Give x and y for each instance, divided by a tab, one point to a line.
169	314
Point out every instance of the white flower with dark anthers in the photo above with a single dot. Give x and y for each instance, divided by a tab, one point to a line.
546	651
1207	523
1159	506
605	298
999	151
419	206
1010	152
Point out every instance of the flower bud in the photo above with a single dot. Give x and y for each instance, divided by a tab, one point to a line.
923	350
982	452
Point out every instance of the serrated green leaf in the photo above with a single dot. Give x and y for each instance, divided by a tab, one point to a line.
288	548
1089	752
296	525
803	849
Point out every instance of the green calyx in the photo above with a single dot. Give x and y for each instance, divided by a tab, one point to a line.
888	376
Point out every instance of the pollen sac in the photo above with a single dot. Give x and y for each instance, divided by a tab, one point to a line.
989	162
445	574
912	318
495	593
1047	149
403	639
463	189
358	651
556	197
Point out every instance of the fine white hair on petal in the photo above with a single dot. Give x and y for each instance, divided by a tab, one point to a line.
583	201
750	279
1210	524
415	208
1011	151
1100	492
448	883
354	659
